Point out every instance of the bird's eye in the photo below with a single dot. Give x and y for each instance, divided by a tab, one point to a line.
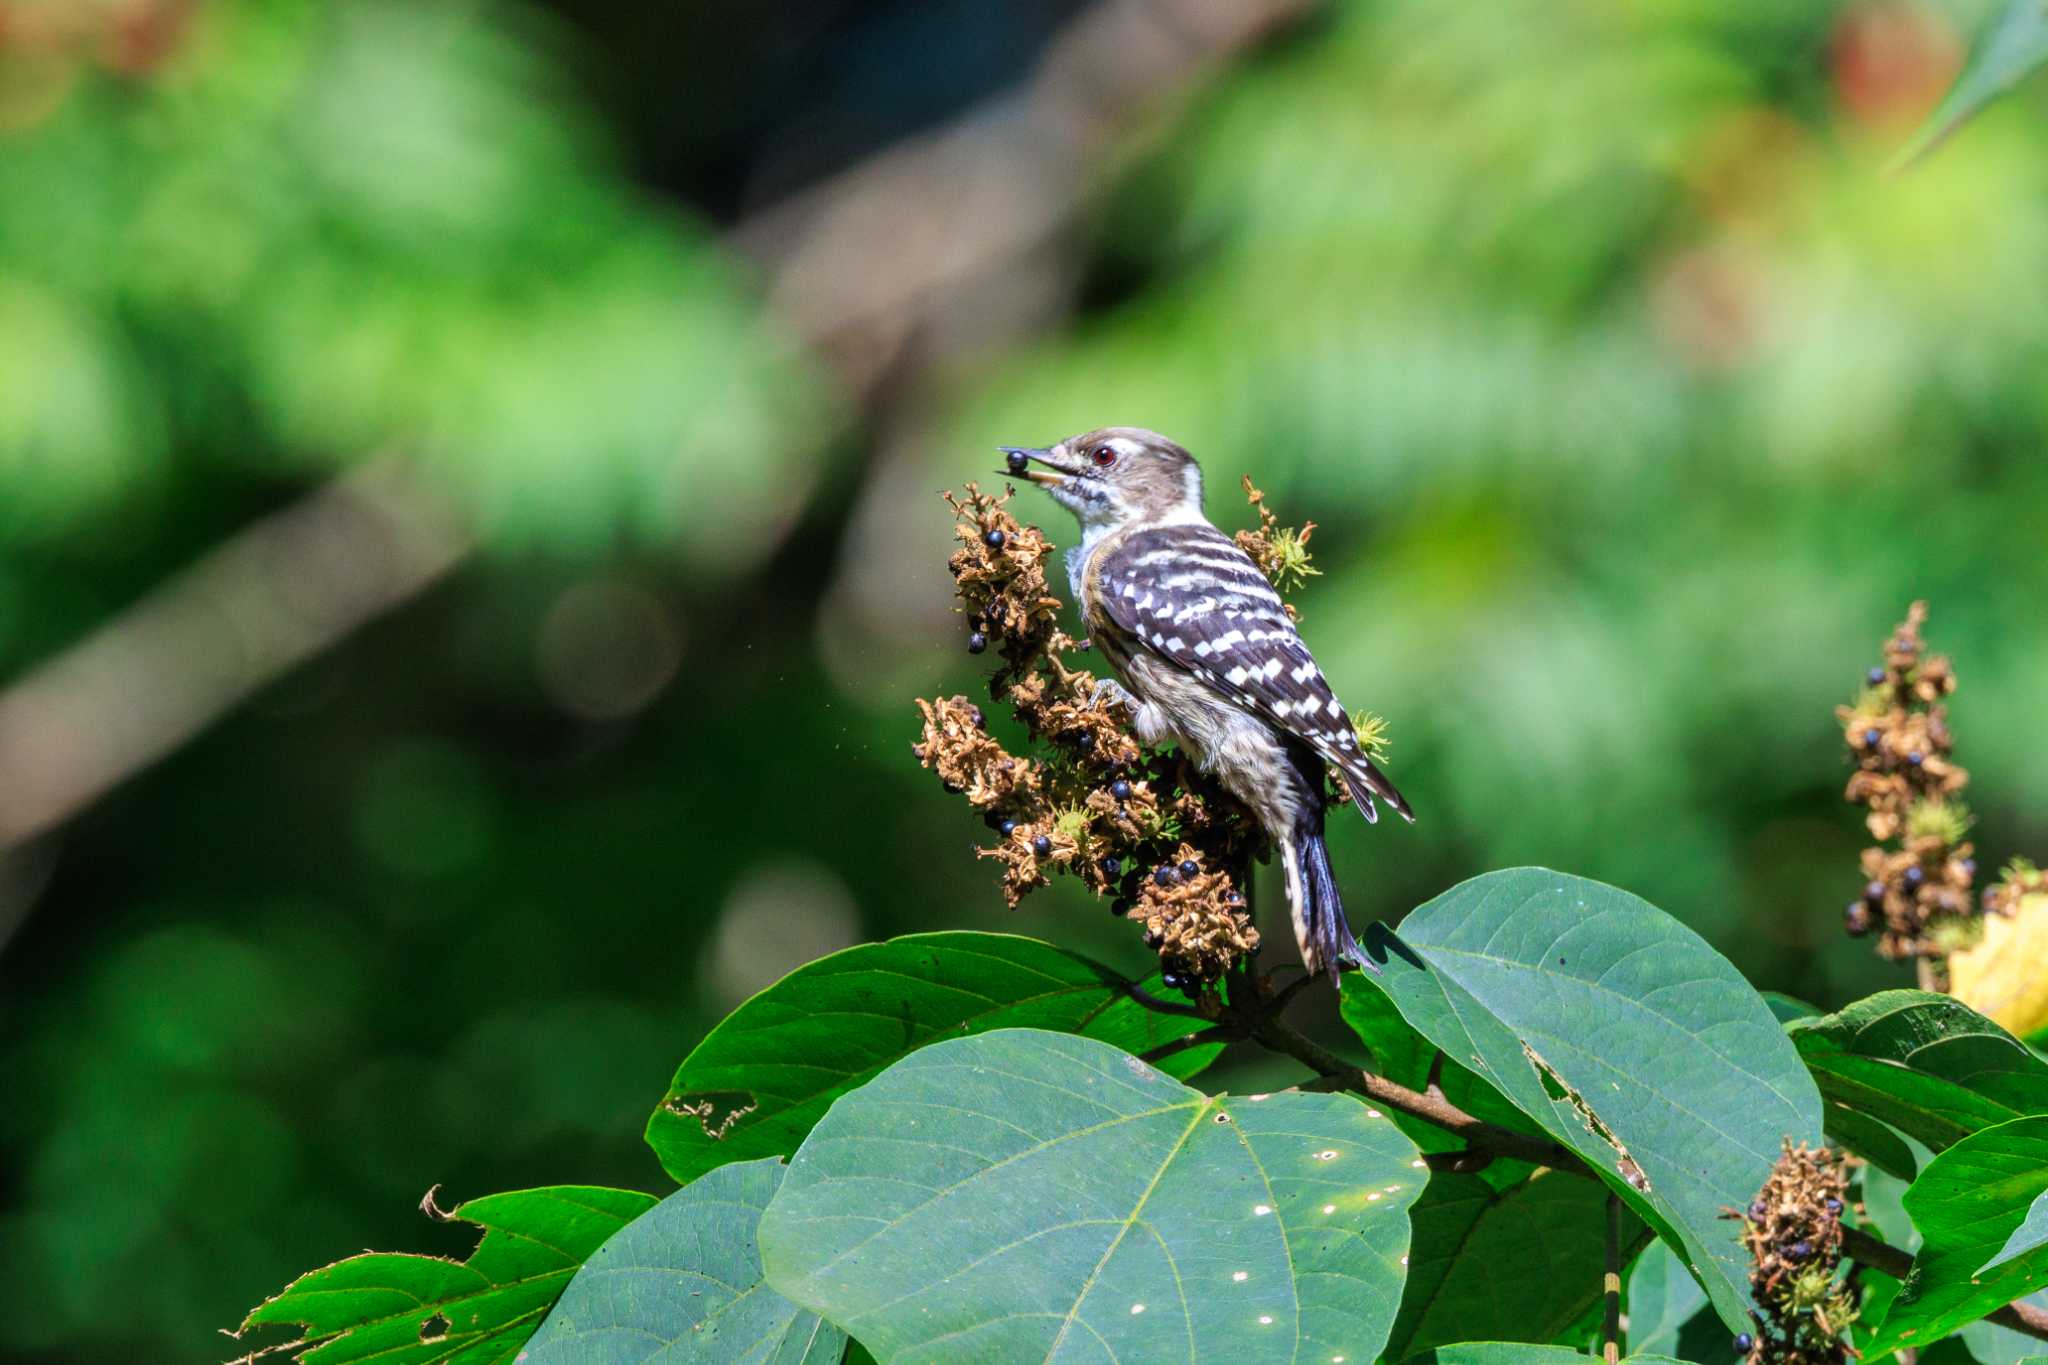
1104	456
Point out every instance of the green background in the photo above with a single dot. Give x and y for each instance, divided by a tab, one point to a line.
1632	400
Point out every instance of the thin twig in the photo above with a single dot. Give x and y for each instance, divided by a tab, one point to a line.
1610	1285
1286	993
1153	1002
1199	1038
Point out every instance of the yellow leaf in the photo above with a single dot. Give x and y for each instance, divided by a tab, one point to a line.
2006	975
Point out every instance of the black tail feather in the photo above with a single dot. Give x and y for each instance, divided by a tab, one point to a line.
1321	925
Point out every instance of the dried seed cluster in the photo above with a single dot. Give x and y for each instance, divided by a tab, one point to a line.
1917	878
1793	1233
2019	880
1145	827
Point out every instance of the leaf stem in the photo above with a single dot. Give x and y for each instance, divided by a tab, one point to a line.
1610	1285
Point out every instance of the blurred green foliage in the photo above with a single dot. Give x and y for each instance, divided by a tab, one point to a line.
1633	402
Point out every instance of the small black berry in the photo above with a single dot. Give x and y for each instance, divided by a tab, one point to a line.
1042	846
1914	876
1172	981
1233	897
1085	740
1120	907
980	721
1112	865
976	642
1876	676
1870	738
952	788
1018	460
1969	866
1006	827
1916	758
1153	938
1758	1211
994	540
1798	1251
1165	876
992	819
1191	986
1189	868
1831	1204
1744	1343
1873	891
1856	919
1120	789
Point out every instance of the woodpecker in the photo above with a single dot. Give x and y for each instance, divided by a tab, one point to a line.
1209	658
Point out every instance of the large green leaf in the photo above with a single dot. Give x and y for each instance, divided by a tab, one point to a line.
2012	47
682	1282
1984	1227
1521	1264
1624	1034
758	1081
422	1310
1029	1195
1927	1064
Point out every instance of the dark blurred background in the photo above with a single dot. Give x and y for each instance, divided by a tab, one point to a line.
468	533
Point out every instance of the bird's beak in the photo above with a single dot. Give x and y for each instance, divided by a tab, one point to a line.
1019	457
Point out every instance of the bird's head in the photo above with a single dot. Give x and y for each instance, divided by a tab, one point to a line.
1114	475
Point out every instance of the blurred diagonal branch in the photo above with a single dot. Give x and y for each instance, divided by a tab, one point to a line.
151	678
857	266
861	262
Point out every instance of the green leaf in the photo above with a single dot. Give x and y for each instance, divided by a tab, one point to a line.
769	1071
1022	1194
1668	1312
419	1310
1624	1034
2011	48
1519	1264
1991	1344
1785	1008
1869	1139
1927	1064
1984	1228
1662	1298
684	1280
1402	1054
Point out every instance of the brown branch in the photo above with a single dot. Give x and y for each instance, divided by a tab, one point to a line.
271	597
1886	1259
1338	1074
